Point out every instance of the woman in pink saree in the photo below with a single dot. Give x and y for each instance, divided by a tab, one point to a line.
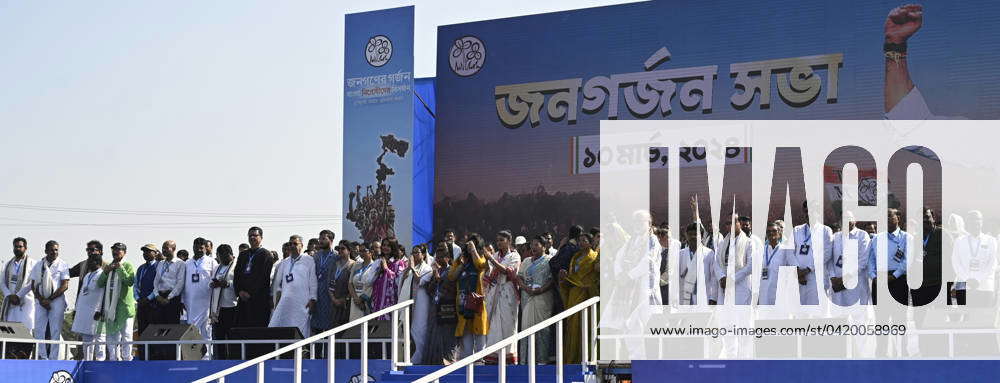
391	263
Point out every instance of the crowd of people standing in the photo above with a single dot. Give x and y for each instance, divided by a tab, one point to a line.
468	292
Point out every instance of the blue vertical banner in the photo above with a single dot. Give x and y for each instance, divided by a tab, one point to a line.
378	125
424	103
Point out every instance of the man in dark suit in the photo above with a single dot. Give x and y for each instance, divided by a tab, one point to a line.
931	287
252	280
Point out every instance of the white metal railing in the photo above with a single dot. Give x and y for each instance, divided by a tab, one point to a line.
330	336
588	346
64	351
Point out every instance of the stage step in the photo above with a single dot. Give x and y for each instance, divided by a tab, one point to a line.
486	374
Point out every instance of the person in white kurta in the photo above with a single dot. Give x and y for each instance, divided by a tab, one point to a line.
734	258
775	256
16	288
808	239
197	295
411	286
836	274
736	248
87	303
50	279
687	263
711	278
687	269
286	252
975	260
852	303
296	279
222	308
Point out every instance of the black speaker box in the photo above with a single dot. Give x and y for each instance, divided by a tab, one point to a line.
265	333
172	332
13	331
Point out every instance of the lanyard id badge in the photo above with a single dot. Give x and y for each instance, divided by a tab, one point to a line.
768	256
289	278
249	263
195	278
804	248
86	283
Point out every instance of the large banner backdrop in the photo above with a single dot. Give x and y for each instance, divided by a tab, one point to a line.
378	124
520	99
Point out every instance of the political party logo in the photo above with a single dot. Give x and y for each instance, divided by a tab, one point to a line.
866	192
61	376
378	51
358	379
467	56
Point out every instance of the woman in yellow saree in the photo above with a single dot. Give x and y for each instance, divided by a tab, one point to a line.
467	274
581	283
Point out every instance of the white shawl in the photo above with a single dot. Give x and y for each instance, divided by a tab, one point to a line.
7	272
46	288
741	241
217	292
112	291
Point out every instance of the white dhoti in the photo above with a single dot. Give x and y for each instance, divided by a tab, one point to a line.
735	346
120	342
23	313
49	320
296	279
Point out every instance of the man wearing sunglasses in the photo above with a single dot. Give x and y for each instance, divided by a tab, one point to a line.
95	251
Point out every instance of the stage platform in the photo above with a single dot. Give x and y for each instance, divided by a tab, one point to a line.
853	371
168	371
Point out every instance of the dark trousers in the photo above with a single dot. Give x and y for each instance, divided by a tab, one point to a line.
145	314
169	313
960	295
897	288
220	331
339	351
254	312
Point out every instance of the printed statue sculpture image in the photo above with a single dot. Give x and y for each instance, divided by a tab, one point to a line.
373	214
